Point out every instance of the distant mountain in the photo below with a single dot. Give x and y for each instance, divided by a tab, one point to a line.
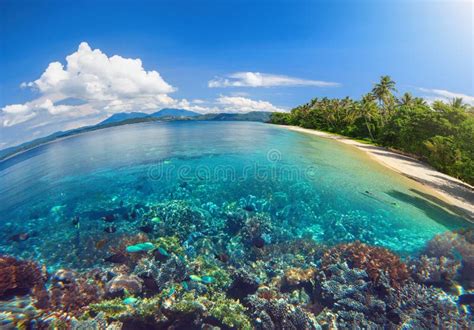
261	116
118	117
138	117
174	113
115	118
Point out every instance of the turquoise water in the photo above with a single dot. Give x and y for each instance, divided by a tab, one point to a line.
309	186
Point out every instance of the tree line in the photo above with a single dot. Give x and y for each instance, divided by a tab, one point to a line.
440	133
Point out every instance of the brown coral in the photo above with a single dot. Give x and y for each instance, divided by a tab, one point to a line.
20	277
71	292
298	276
374	260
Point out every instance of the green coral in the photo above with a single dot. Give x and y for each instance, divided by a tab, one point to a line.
206	267
113	309
188	303
170	244
230	312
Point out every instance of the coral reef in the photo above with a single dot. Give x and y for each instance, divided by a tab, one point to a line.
21	277
245	264
374	260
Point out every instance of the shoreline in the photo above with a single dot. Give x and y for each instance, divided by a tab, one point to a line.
454	194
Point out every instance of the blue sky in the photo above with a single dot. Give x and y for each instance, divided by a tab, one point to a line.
426	46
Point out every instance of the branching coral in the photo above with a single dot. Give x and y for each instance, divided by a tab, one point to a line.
278	314
374	260
456	245
71	292
348	291
429	308
20	276
438	271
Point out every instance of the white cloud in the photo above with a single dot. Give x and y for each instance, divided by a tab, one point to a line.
257	79
90	86
236	104
103	85
444	95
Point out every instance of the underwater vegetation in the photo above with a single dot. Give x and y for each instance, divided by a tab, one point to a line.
233	266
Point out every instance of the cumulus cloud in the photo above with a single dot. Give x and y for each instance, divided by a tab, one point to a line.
444	95
236	104
257	79
89	86
102	84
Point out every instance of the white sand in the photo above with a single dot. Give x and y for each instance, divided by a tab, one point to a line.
453	194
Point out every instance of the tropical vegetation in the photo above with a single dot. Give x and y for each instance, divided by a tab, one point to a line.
440	133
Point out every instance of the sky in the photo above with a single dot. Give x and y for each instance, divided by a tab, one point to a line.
66	64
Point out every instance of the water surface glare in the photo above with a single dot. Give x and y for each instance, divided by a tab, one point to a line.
310	186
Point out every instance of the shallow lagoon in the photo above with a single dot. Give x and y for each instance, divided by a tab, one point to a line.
310	187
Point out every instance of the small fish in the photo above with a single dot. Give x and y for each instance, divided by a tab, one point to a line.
185	285
108	218
223	257
207	279
172	291
20	237
259	242
156	220
183	184
195	278
75	221
249	208
146	228
161	254
100	244
130	301
110	229
466	299
140	247
117	258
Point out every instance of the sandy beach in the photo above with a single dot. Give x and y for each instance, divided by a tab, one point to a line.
448	192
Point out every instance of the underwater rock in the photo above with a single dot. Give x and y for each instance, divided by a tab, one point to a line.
244	283
117	258
20	237
140	247
120	284
110	229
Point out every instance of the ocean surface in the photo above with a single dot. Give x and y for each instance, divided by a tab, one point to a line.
65	202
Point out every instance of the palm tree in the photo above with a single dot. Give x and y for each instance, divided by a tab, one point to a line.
407	99
383	91
457	102
368	109
419	101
